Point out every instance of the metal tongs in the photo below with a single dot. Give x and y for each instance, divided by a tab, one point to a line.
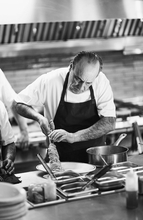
47	168
100	173
52	175
45	165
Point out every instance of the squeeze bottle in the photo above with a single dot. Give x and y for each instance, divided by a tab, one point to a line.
131	187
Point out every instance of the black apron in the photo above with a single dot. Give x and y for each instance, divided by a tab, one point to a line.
73	117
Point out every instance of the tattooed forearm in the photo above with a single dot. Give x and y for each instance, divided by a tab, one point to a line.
9	151
26	111
102	127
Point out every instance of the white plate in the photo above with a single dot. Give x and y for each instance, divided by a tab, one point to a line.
9	194
74	166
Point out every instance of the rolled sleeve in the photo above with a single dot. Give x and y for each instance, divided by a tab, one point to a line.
32	94
105	101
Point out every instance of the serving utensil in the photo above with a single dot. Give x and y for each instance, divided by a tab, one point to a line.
52	175
103	159
47	168
100	173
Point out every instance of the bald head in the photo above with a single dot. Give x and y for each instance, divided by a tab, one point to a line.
90	57
85	67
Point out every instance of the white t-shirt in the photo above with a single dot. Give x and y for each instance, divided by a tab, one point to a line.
46	91
7	93
6	131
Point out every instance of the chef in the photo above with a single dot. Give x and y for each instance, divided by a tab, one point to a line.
79	99
7	95
8	150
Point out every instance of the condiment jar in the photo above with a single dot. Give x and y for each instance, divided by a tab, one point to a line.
49	190
131	187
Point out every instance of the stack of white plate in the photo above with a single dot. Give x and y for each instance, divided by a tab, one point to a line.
12	202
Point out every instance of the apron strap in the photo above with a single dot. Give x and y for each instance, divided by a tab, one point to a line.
92	95
64	88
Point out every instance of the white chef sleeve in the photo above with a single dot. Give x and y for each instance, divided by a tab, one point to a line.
7	134
32	94
105	100
7	93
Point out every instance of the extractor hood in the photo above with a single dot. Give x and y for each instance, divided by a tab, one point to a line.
69	26
33	11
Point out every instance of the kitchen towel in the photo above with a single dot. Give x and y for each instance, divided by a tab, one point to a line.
8	178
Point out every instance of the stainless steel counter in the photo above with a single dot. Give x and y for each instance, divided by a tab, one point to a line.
107	207
110	206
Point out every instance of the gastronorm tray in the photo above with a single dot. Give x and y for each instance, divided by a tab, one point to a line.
115	178
69	186
73	188
32	205
124	167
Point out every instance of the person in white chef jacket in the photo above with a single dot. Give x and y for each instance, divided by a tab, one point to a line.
8	149
79	99
7	95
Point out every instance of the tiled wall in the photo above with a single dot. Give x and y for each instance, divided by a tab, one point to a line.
124	72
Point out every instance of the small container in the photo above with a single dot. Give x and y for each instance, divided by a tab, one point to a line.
131	187
140	185
50	190
42	192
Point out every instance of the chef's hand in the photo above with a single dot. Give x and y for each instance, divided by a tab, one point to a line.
22	140
59	135
51	124
44	124
8	165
